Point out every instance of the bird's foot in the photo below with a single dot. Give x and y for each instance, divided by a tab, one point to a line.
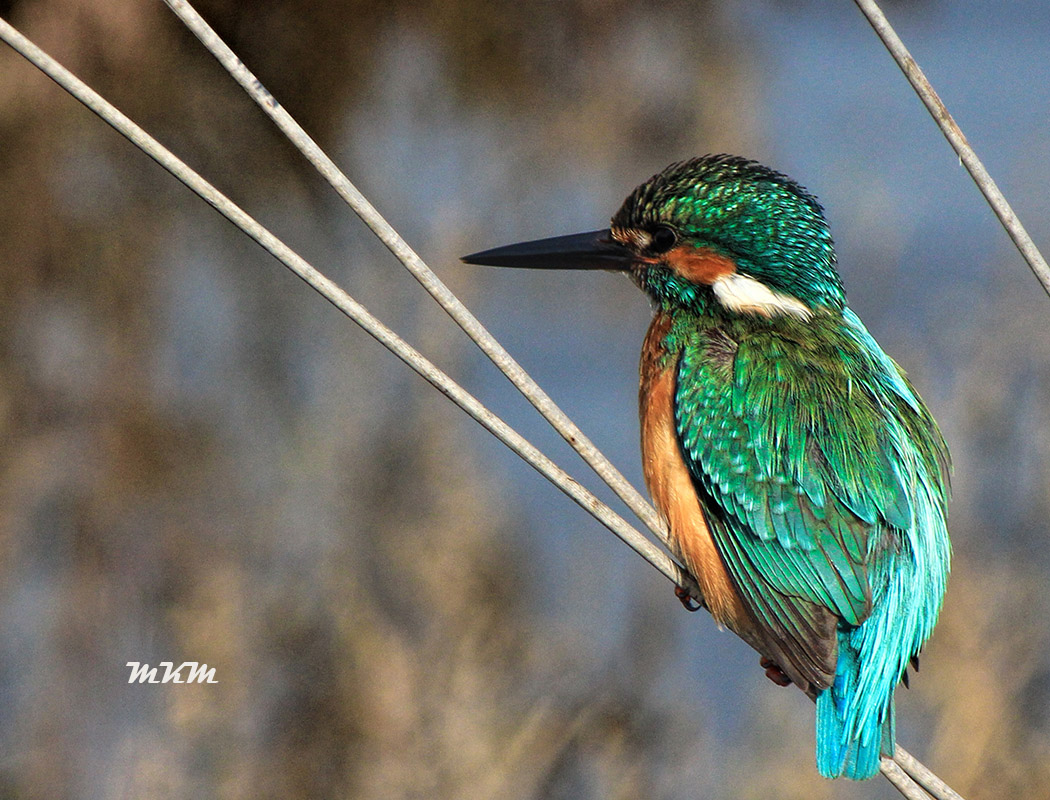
774	672
687	599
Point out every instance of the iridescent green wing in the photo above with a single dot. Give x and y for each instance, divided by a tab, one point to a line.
797	438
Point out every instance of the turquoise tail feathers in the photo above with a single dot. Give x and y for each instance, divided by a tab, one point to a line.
852	734
855	716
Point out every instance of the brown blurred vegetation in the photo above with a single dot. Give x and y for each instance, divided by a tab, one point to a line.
200	462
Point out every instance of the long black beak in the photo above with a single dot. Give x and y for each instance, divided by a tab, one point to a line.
592	250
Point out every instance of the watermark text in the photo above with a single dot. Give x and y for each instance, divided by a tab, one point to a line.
168	673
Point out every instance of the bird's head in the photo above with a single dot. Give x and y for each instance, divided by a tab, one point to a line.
716	231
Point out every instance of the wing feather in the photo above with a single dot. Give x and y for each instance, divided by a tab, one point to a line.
798	448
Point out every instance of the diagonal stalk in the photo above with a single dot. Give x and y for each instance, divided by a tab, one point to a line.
524	382
350	307
923	776
953	133
902	781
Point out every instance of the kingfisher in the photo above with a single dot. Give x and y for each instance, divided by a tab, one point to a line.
803	481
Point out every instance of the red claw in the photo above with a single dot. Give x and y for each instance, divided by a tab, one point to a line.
687	599
774	672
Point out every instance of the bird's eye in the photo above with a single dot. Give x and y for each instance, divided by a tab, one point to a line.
663	239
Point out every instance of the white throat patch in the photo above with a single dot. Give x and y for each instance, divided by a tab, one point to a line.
746	295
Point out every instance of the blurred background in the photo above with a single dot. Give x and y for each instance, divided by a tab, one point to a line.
202	461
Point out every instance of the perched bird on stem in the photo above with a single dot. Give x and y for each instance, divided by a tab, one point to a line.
802	478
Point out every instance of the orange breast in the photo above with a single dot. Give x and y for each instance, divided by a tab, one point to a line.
671	486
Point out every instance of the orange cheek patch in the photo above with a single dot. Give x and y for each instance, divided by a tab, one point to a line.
699	265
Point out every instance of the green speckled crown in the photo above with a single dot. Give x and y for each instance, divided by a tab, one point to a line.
770	226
